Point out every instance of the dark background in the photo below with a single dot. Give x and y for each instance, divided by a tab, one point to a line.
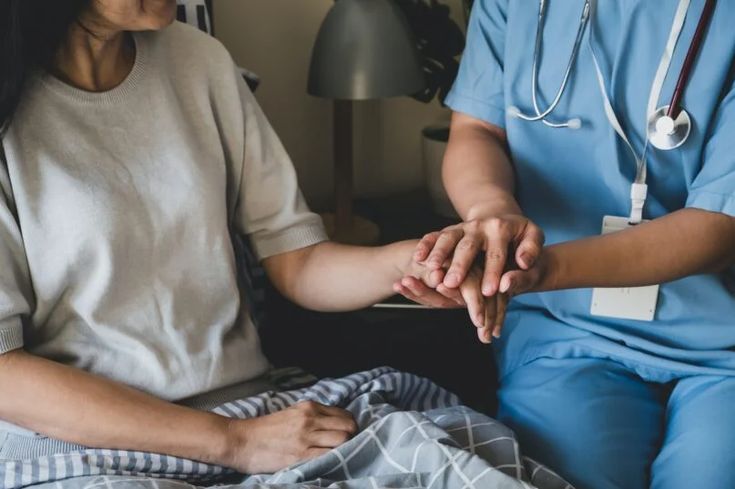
439	344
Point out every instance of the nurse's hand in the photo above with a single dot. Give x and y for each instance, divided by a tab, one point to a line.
497	237
517	282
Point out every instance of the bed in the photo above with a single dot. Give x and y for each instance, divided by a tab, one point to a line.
413	434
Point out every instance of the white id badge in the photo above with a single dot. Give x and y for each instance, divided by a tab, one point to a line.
637	303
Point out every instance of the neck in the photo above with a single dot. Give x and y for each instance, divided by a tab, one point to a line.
95	60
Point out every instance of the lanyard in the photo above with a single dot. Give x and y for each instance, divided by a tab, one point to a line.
639	189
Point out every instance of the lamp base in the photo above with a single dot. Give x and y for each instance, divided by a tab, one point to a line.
361	231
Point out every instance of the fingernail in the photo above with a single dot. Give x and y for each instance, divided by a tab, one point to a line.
479	320
488	290
505	287
497	331
452	279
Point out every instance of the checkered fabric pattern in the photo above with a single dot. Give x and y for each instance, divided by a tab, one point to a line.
413	434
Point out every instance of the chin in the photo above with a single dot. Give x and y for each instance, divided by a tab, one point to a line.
160	14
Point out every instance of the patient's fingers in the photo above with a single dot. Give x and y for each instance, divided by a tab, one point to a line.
425	246
472	296
453	294
464	257
337	419
328	439
313	453
416	291
434	278
444	247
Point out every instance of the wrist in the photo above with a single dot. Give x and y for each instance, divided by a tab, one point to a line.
551	266
404	264
223	441
502	205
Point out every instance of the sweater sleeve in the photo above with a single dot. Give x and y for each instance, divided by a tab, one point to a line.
14	277
270	207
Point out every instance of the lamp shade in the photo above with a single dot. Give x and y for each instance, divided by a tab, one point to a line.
365	50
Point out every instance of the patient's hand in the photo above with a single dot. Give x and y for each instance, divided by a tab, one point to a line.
270	443
424	285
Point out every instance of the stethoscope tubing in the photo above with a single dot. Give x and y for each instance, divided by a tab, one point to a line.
542	115
584	19
694	49
674	108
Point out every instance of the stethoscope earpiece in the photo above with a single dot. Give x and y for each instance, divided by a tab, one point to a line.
515	113
574	124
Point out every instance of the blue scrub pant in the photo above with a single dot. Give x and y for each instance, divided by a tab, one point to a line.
600	425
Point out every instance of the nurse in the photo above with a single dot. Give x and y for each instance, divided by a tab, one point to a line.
614	388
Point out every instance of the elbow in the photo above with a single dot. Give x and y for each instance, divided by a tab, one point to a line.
730	261
723	239
288	273
10	357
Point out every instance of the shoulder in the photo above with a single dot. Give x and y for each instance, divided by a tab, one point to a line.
182	44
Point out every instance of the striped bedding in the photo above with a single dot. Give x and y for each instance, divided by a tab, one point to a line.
413	434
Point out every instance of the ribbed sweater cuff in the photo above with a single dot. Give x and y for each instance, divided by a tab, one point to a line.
294	238
11	335
20	447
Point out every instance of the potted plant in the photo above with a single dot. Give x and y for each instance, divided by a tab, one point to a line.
440	42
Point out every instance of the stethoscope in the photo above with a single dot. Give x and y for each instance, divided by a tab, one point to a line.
668	126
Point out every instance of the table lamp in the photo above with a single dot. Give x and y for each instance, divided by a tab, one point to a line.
365	50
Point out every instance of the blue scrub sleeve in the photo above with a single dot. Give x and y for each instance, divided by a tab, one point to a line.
479	90
713	189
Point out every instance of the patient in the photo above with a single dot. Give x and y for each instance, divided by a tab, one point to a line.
132	153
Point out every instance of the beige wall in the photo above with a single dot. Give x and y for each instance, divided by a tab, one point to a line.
274	38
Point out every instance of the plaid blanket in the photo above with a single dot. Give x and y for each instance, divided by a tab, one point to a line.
413	434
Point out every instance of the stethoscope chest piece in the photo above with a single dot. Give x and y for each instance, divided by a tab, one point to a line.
665	132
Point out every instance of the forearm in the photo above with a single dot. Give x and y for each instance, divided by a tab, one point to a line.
333	277
477	171
684	243
71	405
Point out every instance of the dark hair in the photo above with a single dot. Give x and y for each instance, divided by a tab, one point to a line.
31	32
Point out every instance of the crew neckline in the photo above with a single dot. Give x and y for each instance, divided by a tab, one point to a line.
112	96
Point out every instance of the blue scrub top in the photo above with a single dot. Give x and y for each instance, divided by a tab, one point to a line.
567	180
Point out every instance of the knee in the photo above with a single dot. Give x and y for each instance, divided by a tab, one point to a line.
701	456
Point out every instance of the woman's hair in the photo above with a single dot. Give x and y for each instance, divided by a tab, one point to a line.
31	32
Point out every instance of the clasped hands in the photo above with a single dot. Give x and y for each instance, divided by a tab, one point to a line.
479	264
